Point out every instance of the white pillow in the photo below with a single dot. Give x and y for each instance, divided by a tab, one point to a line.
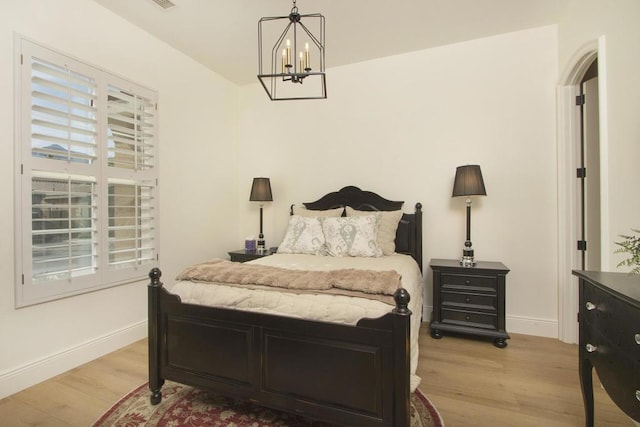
389	221
355	236
304	236
302	211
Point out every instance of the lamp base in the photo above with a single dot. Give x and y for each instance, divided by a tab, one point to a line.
260	244
467	259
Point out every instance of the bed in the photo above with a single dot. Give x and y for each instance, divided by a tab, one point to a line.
349	374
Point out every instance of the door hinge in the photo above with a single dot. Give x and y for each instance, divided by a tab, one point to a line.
580	99
582	245
23	279
581	173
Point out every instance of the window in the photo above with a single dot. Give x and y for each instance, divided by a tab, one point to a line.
86	184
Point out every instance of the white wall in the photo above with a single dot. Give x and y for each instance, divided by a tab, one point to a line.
198	194
400	125
617	21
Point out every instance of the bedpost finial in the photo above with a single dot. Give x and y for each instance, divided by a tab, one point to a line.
418	207
402	298
155	275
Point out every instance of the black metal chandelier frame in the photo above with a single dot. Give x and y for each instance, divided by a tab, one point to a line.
291	71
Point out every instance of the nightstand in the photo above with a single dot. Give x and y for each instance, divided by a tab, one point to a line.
469	300
244	255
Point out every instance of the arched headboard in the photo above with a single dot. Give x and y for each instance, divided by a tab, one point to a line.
409	234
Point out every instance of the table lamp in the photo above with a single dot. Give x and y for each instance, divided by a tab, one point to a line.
468	182
261	192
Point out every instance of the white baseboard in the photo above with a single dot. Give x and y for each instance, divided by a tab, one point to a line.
518	324
27	375
426	313
531	326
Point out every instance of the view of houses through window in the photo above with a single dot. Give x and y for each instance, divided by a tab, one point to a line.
63	228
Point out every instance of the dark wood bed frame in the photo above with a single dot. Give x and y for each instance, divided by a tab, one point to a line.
349	375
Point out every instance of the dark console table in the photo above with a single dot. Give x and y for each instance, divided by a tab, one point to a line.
610	338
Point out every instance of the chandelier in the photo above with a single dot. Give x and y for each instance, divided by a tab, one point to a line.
294	67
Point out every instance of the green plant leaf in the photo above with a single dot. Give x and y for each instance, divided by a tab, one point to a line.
631	246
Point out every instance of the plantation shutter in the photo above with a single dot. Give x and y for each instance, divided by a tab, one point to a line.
60	186
63	116
131	130
131	160
64	233
131	224
86	181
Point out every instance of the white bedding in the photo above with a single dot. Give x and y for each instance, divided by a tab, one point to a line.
329	308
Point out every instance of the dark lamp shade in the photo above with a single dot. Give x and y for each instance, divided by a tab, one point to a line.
261	190
468	182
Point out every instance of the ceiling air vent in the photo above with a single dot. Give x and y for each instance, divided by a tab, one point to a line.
165	4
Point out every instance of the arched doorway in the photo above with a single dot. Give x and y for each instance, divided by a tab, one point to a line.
572	212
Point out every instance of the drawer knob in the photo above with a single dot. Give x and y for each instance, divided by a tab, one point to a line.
638	339
467	300
591	348
467	317
590	306
467	282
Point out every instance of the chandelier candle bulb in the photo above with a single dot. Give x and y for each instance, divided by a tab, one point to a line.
302	67
288	52
284	60
306	57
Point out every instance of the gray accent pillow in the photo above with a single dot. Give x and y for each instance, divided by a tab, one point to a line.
389	221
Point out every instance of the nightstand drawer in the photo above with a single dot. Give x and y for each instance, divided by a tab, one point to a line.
618	371
469	282
469	300
469	318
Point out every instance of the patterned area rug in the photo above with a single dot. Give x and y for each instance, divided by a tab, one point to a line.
188	406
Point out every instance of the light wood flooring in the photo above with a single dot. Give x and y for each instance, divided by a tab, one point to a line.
533	382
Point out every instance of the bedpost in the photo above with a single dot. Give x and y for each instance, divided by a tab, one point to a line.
155	335
402	356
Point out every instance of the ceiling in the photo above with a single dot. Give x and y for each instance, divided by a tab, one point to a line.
223	34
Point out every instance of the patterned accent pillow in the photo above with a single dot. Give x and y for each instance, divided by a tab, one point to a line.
304	236
302	211
389	221
354	236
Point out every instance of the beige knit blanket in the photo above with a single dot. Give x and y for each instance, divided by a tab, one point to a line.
379	285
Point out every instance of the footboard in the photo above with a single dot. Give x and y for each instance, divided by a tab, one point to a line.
354	375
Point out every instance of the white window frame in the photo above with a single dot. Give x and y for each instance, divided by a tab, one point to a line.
141	176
